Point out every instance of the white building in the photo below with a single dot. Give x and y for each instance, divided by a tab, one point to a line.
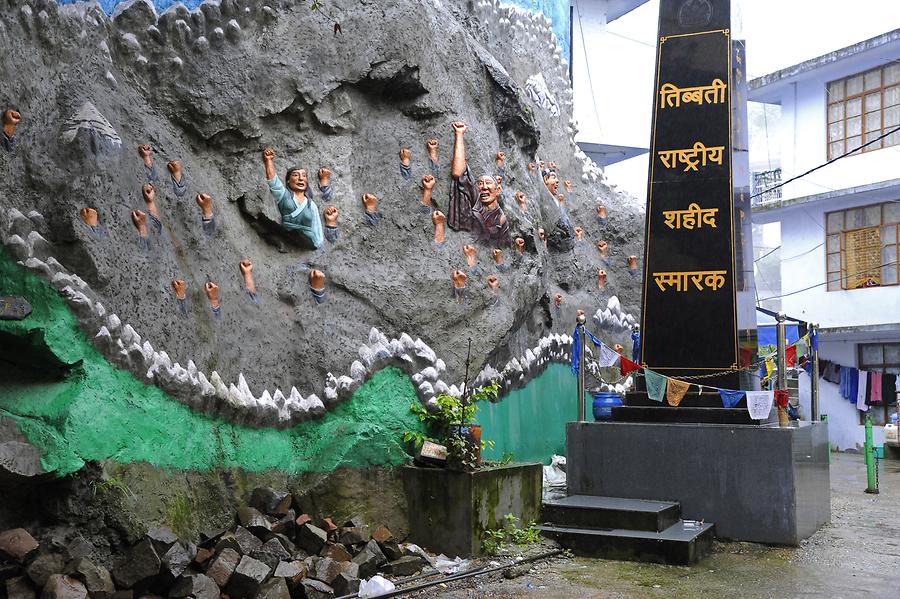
838	225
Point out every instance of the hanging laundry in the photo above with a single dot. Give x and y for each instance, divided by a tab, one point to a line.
675	391
656	384
852	384
626	365
790	355
875	383
888	387
731	398
759	404
832	373
861	390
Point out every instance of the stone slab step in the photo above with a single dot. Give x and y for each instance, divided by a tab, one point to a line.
678	544
591	511
682	414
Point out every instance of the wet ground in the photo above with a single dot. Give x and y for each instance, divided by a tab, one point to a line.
856	555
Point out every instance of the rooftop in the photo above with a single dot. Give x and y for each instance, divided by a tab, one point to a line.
863	55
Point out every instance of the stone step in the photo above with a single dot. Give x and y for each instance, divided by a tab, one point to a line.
678	544
591	511
682	414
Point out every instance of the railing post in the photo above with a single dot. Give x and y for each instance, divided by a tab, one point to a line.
814	383
581	335
781	380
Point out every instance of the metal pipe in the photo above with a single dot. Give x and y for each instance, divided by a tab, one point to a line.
781	380
871	485
581	320
814	384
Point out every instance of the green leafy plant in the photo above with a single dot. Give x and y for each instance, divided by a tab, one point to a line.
110	486
492	540
506	458
179	515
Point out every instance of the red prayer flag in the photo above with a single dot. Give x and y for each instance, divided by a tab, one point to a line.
781	398
790	355
746	356
626	366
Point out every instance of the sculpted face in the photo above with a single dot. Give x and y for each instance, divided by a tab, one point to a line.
298	180
487	190
552	182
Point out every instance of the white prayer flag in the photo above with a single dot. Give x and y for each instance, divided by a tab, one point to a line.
607	357
759	404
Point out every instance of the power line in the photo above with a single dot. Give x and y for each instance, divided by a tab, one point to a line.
892	263
824	164
587	66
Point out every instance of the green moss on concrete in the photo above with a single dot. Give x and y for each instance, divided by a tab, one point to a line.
99	412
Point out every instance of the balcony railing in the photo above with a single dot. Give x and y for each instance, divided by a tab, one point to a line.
763	182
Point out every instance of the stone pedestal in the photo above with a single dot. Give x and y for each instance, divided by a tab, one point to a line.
756	483
449	511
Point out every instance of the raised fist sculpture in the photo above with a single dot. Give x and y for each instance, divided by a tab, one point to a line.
603	248
521	200
317	285
246	268
493	282
145	151
520	244
601	279
207	219
180	289
438	219
432	146
500	159
212	296
179	181
470	253
459	285
370	207
579	233
331	215
324	177
405	169
11	119
428	182
139	220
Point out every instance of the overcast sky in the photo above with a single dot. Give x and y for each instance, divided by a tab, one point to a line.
779	33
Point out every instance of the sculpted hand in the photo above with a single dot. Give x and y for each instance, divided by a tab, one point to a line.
146	153
520	200
520	244
459	279
541	235
497	255
531	167
601	211
205	202
12	117
542	164
579	232
370	202
438	218
324	177
89	216
405	156
432	146
174	167
561	199
458	127
246	267
493	282
601	279
317	279
552	166
428	182
603	248
568	185
632	262
501	159
140	222
471	256
179	287
212	293
618	348
331	216
268	155
557	299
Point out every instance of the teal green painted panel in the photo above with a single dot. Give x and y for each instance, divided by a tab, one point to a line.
531	422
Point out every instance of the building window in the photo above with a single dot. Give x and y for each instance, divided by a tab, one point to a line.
884	358
863	107
762	184
861	246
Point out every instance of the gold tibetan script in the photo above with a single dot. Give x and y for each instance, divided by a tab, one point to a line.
693	217
702	279
672	96
691	157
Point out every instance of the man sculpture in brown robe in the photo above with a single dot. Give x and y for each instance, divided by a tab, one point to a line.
473	203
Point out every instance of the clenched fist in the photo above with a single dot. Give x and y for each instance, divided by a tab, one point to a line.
458	127
331	216
212	294
146	154
405	156
89	216
542	236
370	203
428	182
205	202
140	222
174	167
497	255
500	157
438	218
324	177
579	232
568	185
601	211
179	287
521	200
557	299
268	155
459	279
432	146
601	279
493	282
520	244
471	255
317	279
603	248
531	167
246	267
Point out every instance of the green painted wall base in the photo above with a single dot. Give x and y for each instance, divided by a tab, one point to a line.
453	509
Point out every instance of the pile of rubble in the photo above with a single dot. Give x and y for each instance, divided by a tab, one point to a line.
272	553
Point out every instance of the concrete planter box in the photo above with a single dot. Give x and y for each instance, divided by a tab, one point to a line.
449	510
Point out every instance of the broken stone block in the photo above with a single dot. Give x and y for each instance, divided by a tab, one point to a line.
17	545
247	578
140	567
345	584
355	521
382	534
337	552
8	571
222	566
247	541
95	578
327	525
129	594
19	588
286	543
326	570
253	520
285	525
294	571
274	588
43	566
272	502
354	535
303	519
174	563
209	538
316	589
311	538
162	538
271	553
405	566
203	556
351	568
196	586
367	562
391	550
374	548
60	586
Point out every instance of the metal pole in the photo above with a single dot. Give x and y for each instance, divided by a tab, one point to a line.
581	335
781	381
814	384
871	485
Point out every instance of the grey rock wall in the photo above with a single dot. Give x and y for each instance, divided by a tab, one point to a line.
212	88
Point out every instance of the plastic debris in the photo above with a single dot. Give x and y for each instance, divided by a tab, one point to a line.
555	479
375	587
445	565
